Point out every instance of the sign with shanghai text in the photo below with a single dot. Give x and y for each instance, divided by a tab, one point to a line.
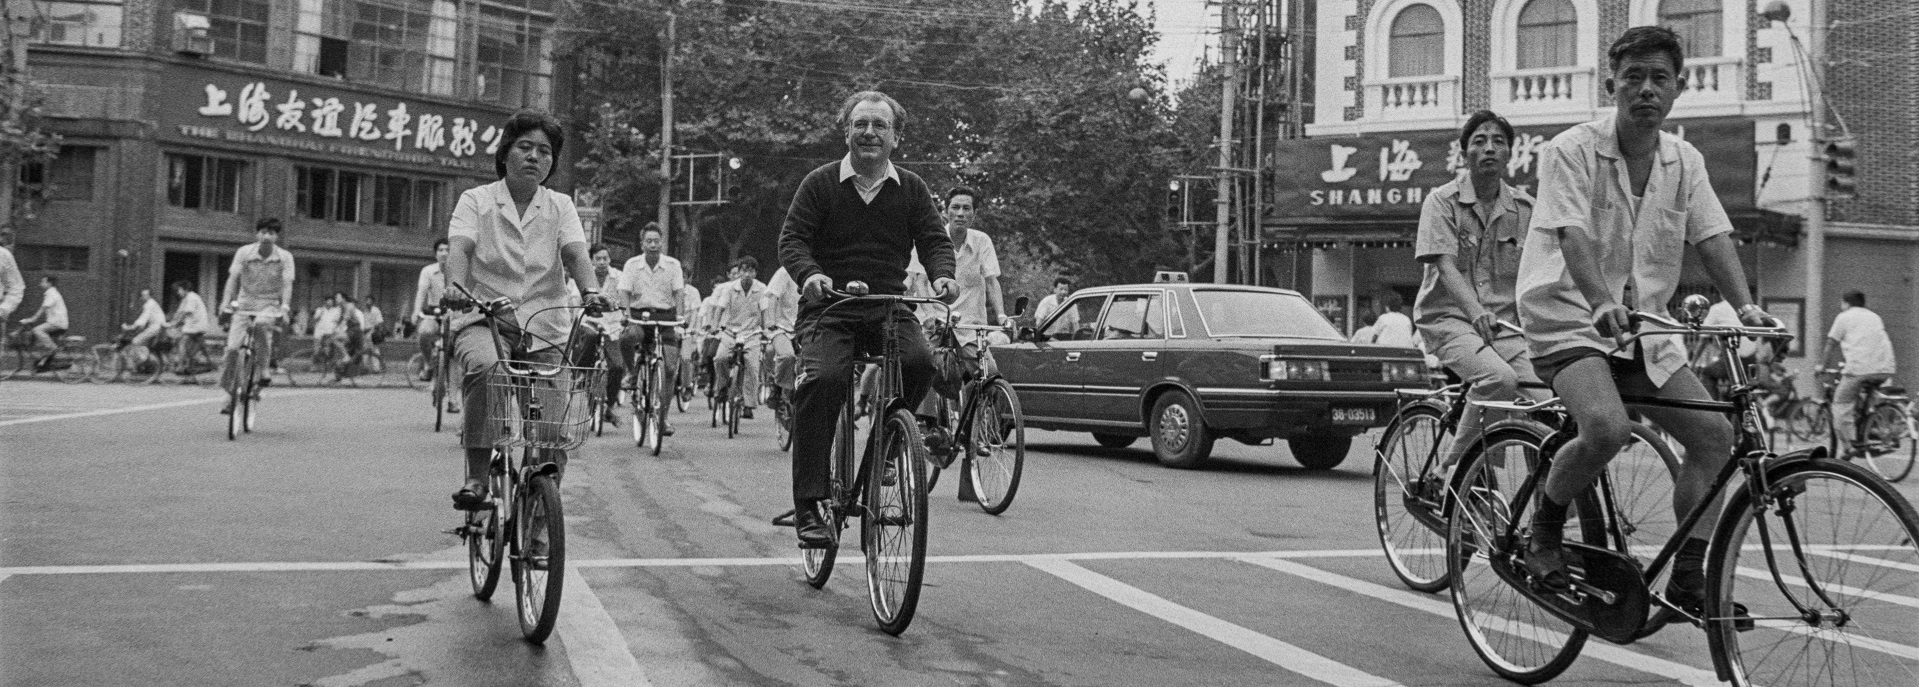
207	104
1387	175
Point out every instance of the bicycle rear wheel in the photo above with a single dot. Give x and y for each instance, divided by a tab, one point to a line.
80	370
818	563
107	367
1517	638
1406	455
997	441
1891	446
1833	604
538	586
893	531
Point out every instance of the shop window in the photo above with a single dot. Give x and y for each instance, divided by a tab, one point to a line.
328	194
199	182
406	44
90	24
1698	23
236	28
1548	32
426	204
48	258
1417	45
392	201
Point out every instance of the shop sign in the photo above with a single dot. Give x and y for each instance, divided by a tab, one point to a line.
1389	175
228	107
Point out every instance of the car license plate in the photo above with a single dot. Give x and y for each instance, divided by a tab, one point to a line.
1352	416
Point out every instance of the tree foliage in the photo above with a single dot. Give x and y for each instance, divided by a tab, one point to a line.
1028	102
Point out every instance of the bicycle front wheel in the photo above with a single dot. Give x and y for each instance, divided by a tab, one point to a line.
997	441
1517	638
108	365
1827	571
538	579
484	540
1408	452
80	369
1889	440
893	531
656	417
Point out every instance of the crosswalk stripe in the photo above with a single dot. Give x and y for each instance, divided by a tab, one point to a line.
1611	654
1276	652
594	645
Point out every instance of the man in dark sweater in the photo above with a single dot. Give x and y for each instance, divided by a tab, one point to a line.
857	219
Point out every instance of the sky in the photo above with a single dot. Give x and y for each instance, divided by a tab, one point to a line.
1186	29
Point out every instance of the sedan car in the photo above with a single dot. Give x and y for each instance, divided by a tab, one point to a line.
1188	364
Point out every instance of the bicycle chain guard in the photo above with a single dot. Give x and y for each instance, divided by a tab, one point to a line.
1596	573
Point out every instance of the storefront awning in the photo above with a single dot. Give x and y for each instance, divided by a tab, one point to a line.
1750	225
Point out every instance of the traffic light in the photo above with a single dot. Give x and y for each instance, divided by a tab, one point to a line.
1842	168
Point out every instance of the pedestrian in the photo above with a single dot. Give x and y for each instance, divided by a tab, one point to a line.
1858	347
1392	327
1368	327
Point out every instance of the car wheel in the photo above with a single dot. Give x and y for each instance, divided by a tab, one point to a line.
1180	437
1320	451
1114	440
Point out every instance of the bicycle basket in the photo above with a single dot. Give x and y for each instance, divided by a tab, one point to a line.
539	405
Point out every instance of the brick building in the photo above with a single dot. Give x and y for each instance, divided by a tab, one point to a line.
358	122
1395	78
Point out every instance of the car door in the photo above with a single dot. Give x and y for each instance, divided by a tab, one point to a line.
1046	372
1123	358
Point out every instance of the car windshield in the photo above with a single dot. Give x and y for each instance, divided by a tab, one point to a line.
1262	314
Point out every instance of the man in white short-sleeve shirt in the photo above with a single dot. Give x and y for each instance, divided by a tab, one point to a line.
1859	336
1619	200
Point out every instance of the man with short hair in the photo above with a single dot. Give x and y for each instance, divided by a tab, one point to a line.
1858	338
428	289
52	319
1392	327
692	332
260	282
857	219
1619	201
709	345
192	319
739	321
148	326
781	309
650	285
1061	287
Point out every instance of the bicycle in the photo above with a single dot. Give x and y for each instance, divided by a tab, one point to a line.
1883	428
540	409
125	361
70	361
649	367
887	488
1529	632
435	366
989	427
247	371
773	395
726	411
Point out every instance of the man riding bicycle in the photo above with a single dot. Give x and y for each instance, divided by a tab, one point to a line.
857	219
1619	199
737	319
779	310
192	319
1858	338
259	287
518	240
611	323
1469	239
650	286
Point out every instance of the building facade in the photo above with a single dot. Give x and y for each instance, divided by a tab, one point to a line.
1396	78
356	122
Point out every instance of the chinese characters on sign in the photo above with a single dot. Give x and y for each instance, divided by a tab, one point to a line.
256	108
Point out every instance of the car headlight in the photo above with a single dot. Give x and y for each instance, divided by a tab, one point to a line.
1398	372
1274	369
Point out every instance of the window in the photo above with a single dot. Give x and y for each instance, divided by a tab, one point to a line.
426	204
406	44
1417	46
237	28
392	200
1548	31
1134	316
205	183
1075	321
1261	314
328	194
515	63
1698	23
45	258
91	24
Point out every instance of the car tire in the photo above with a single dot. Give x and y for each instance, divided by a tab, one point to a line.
1114	440
1320	451
1180	437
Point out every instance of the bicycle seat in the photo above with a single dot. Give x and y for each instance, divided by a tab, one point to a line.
75	340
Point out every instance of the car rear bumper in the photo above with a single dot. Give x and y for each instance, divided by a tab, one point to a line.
1274	412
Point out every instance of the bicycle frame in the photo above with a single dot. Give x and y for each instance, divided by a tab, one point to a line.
887	396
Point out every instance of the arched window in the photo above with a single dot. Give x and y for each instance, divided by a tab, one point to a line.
1418	43
1698	23
1548	32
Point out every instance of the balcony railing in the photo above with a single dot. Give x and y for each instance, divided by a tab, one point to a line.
1412	97
1550	89
1713	81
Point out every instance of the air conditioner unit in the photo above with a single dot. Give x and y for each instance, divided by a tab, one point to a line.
190	34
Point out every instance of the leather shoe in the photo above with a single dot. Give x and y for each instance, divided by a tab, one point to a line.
812	529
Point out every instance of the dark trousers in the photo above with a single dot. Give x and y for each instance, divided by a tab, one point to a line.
828	342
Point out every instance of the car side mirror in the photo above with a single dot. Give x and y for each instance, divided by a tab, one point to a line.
1019	306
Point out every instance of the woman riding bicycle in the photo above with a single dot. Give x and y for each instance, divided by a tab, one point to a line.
513	239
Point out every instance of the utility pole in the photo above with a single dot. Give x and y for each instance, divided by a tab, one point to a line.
1815	250
666	133
1229	61
17	32
1253	233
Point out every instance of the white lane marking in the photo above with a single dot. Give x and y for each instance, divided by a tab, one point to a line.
1895	565
1797	581
350	566
1282	654
594	645
1611	654
1879	645
143	408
